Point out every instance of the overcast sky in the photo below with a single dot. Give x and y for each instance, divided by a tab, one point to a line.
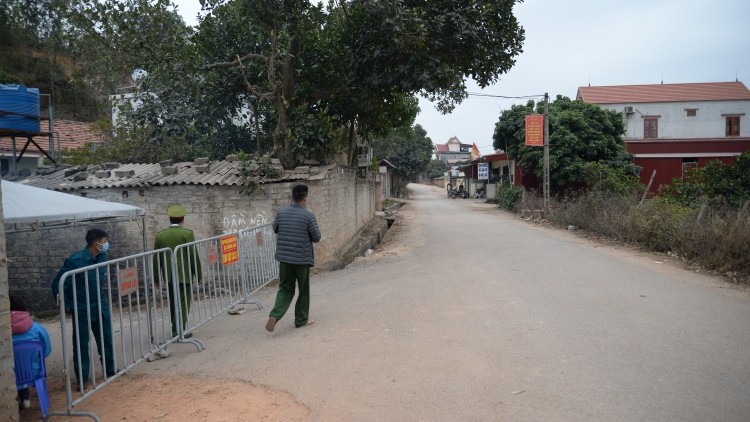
572	43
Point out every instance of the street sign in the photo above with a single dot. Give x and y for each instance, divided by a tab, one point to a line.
535	130
484	171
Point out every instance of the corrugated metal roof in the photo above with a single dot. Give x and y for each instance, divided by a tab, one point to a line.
661	93
220	173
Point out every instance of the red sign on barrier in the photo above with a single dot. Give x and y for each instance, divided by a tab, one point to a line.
260	239
535	130
128	279
229	249
213	254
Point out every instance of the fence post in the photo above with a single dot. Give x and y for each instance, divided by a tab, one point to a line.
700	214
648	187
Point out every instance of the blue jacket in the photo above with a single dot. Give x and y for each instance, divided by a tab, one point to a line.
36	332
297	229
80	259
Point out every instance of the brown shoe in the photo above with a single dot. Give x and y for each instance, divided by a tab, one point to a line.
271	324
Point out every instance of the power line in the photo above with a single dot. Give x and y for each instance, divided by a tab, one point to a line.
523	97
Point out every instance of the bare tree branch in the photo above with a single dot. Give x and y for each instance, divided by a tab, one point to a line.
238	61
254	89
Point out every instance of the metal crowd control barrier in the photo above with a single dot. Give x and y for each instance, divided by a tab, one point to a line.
205	278
127	333
214	275
258	247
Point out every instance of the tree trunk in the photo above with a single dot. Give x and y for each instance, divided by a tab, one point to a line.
288	83
350	158
257	127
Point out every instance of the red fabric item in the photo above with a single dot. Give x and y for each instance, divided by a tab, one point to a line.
20	322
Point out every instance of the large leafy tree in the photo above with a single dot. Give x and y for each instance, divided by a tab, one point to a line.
436	168
408	148
114	38
360	62
579	133
35	51
288	75
269	59
431	47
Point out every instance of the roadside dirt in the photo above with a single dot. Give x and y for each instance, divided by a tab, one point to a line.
140	398
400	240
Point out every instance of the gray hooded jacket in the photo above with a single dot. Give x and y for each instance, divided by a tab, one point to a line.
297	229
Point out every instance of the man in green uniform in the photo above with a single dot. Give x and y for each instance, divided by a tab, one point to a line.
188	264
90	291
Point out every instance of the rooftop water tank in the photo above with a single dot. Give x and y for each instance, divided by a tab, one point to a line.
19	108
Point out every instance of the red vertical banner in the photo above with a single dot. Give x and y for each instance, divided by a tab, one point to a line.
535	130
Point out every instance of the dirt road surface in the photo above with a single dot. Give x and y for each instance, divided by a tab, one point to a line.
465	313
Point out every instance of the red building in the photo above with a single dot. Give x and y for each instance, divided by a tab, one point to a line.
672	127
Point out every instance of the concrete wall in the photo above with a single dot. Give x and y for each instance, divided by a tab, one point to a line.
8	405
709	120
341	203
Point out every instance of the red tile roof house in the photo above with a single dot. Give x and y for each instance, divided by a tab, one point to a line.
67	134
453	151
671	127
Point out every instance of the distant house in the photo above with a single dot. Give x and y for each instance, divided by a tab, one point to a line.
453	151
29	156
672	127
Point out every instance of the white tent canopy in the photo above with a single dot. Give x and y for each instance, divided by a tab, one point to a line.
38	208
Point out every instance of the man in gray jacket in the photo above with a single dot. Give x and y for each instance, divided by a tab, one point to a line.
297	229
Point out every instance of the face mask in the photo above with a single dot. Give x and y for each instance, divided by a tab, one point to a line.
105	247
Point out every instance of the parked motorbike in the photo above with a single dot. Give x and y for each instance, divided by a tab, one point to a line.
458	193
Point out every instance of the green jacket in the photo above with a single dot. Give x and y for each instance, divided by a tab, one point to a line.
171	238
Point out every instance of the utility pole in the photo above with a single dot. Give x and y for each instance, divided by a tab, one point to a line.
546	151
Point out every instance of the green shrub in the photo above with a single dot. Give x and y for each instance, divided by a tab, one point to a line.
603	178
9	78
716	181
657	224
508	195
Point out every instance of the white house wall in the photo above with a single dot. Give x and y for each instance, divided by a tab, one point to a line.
673	122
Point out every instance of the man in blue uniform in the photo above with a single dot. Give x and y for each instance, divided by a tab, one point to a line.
85	309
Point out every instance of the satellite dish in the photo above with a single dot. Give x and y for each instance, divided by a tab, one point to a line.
138	74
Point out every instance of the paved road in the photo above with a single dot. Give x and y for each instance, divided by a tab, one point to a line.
489	318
